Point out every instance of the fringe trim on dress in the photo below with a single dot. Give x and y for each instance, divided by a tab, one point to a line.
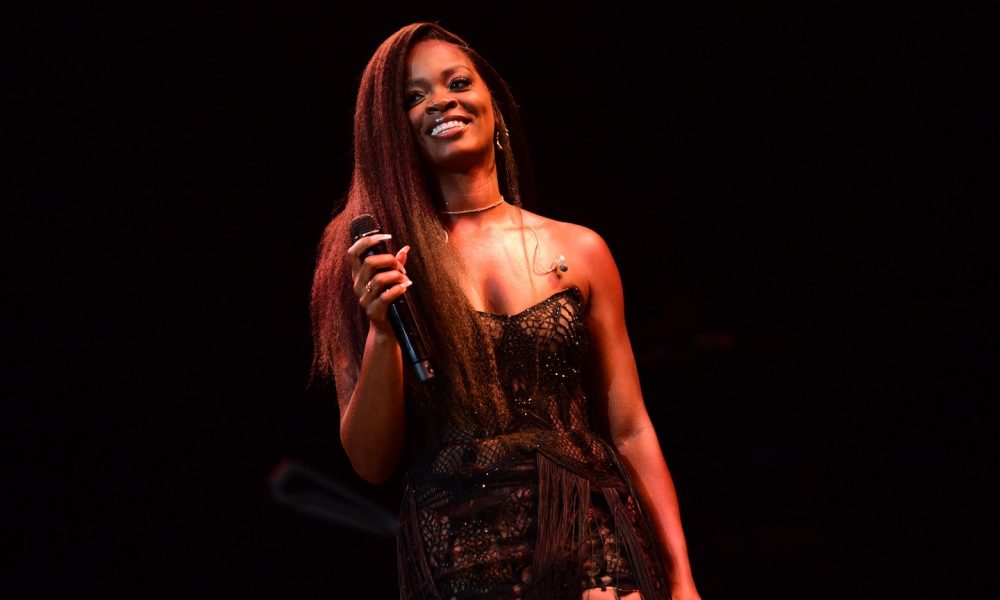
415	579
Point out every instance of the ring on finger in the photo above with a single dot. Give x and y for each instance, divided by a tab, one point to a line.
368	287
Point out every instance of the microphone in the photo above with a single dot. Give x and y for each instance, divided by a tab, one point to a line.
400	316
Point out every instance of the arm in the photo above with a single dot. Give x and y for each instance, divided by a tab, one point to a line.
372	420
619	406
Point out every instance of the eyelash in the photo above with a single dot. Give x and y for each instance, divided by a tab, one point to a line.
465	82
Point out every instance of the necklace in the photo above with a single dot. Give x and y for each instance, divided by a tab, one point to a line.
472	210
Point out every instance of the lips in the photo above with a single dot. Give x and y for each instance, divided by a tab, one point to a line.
448	125
446	128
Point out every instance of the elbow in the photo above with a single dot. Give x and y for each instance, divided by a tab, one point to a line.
374	465
626	438
374	470
374	476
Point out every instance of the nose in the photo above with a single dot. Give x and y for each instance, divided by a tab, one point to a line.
440	105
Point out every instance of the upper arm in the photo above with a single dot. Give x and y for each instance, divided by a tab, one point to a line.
616	397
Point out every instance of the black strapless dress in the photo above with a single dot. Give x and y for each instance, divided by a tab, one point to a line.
540	510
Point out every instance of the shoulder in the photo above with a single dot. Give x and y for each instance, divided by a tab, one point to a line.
577	239
592	267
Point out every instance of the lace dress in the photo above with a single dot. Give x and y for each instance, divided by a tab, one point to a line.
537	507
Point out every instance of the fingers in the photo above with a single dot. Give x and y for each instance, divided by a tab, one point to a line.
379	279
378	306
368	269
376	272
390	295
376	264
382	281
401	256
359	247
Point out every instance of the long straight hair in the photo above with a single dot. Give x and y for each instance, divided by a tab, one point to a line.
390	181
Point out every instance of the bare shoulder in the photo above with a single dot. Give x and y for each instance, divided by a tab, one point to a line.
579	240
592	268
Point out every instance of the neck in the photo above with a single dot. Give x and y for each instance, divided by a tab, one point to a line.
469	190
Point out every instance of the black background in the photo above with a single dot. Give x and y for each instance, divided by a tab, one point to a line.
810	183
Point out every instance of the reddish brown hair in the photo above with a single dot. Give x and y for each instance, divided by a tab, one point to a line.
390	182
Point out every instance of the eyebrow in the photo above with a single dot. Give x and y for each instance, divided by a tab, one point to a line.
446	73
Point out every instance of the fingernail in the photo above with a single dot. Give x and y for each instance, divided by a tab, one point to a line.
406	284
403	252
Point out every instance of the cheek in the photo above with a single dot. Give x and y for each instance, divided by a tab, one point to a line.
414	123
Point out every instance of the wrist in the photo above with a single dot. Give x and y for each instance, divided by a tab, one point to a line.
381	335
683	589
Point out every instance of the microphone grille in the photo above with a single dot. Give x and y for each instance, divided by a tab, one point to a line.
363	225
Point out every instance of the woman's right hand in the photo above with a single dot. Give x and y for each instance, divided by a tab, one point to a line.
372	419
378	279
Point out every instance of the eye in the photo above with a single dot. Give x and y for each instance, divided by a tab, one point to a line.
459	83
411	98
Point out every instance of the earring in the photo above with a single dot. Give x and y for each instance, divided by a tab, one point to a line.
497	139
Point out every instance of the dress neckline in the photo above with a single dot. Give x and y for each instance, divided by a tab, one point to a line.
576	295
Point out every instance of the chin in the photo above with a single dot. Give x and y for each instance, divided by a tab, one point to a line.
458	159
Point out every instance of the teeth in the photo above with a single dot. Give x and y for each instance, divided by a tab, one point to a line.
445	126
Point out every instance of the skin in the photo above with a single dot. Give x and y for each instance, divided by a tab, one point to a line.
502	277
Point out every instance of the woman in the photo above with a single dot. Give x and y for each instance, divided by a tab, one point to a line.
509	493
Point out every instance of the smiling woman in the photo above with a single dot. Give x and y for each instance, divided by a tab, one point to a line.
450	107
509	492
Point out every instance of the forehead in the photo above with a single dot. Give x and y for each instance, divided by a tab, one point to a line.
430	58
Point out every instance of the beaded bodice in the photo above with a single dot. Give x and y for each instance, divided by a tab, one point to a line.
523	500
539	357
539	353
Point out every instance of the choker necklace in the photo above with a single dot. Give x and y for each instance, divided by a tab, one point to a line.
472	210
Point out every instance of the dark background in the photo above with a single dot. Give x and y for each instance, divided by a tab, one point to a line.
796	198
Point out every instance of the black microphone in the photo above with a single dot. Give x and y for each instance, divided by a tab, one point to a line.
400	316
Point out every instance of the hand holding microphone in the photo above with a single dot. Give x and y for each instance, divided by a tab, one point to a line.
379	277
380	282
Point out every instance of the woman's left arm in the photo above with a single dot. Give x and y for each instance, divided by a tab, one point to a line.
618	402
